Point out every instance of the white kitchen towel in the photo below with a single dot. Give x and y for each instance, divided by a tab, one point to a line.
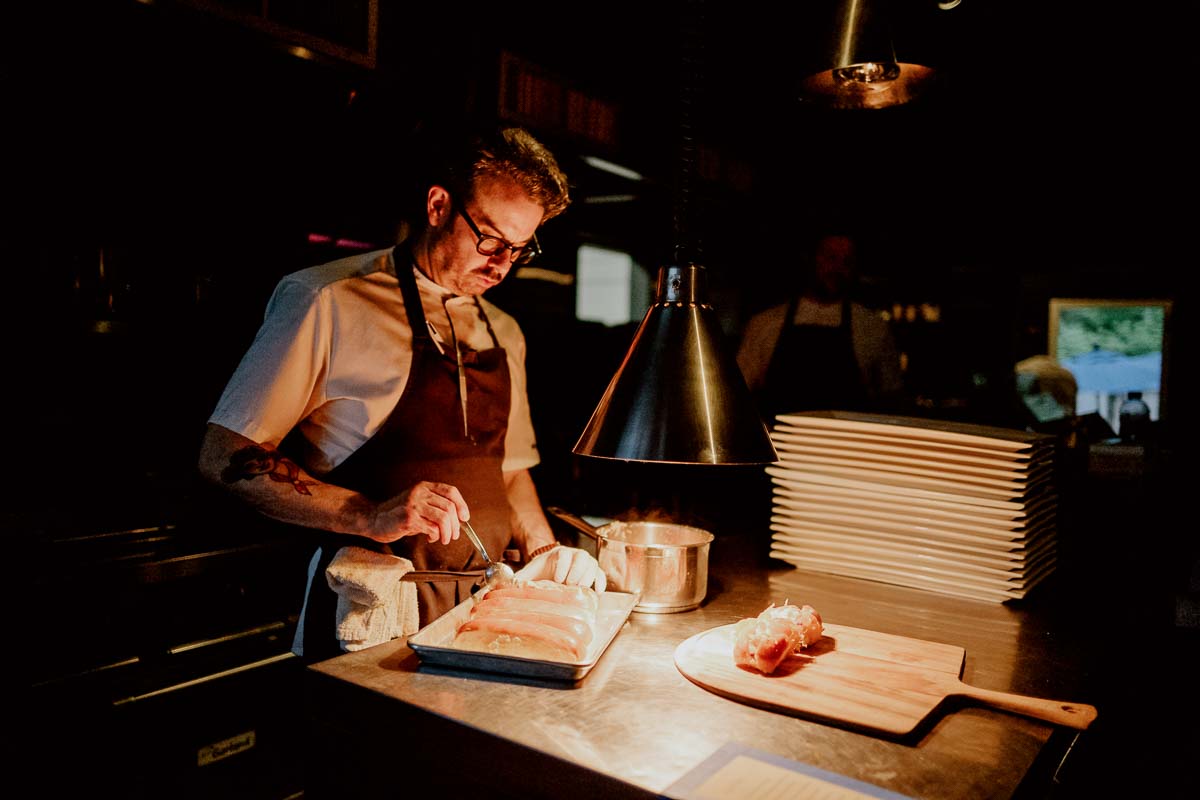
374	605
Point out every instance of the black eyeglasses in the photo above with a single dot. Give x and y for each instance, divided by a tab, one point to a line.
494	245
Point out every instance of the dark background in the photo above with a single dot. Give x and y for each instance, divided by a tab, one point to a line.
192	154
168	161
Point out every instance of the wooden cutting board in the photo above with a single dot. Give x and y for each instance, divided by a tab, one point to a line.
858	678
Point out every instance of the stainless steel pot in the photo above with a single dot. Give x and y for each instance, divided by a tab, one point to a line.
665	564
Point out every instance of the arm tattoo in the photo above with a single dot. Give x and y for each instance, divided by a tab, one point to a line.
255	460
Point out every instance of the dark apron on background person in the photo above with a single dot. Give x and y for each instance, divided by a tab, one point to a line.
423	440
813	368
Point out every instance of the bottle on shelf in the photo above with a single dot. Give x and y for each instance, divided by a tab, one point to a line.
1133	418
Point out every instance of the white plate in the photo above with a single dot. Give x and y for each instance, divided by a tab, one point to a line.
998	490
899	555
916	428
905	576
835	495
926	449
1006	500
863	515
869	527
896	456
932	536
995	592
901	547
960	574
954	589
872	442
866	502
911	469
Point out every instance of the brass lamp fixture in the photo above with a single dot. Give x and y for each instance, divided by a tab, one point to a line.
679	396
858	64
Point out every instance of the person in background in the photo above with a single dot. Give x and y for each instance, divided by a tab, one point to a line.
821	350
383	401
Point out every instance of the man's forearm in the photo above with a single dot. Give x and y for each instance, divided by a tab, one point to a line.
277	486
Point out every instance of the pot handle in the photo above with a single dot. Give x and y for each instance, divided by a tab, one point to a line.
441	575
575	521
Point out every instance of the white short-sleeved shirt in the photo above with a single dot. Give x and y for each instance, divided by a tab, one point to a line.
333	355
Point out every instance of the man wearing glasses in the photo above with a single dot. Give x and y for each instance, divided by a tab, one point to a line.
383	401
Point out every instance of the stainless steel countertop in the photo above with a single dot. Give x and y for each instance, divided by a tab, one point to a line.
636	719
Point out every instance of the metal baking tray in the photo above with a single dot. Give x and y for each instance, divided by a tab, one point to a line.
432	643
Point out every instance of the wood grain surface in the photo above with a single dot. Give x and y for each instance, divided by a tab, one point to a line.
858	678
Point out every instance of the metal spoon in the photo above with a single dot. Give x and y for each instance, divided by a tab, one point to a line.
496	573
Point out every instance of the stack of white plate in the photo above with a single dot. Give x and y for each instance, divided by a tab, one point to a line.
955	508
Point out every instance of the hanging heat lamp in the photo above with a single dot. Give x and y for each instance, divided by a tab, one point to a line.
868	54
678	395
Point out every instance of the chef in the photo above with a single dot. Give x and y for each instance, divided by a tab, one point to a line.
383	400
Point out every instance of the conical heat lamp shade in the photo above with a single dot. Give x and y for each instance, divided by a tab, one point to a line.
678	396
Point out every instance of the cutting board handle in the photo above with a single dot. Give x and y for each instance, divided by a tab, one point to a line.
1071	715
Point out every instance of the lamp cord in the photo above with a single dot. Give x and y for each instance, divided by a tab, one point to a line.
688	246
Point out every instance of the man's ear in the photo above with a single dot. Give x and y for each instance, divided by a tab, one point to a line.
438	206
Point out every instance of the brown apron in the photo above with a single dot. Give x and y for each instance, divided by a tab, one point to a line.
423	440
813	368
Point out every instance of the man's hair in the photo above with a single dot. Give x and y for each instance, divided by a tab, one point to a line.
463	158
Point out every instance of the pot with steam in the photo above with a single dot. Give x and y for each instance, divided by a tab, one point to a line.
665	564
